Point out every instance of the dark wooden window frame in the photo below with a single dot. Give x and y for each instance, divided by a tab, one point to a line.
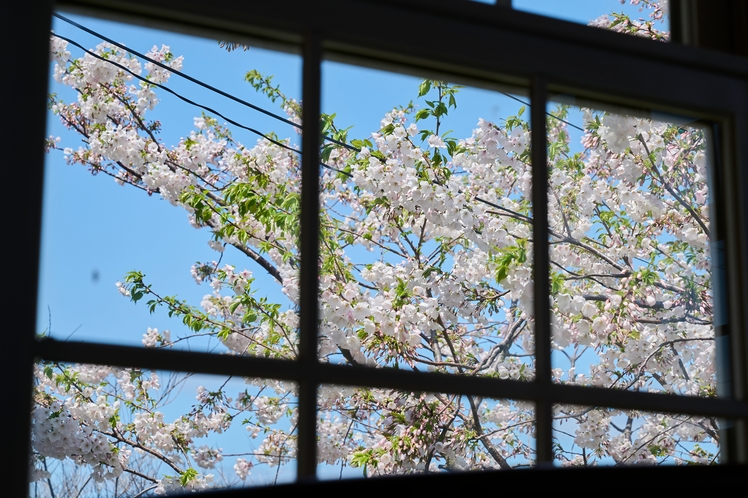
493	44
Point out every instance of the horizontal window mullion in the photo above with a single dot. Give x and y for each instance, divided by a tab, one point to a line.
530	391
167	359
652	402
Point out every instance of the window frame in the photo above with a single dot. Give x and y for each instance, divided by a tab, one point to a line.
550	56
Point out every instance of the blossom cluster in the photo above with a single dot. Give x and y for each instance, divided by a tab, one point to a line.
425	263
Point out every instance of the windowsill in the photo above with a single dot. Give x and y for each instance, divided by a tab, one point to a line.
612	481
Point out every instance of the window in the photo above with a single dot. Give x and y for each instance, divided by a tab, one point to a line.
549	58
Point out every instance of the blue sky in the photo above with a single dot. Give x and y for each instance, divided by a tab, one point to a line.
95	231
579	11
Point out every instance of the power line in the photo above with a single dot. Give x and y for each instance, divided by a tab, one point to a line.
547	113
235	123
178	73
172	92
189	101
190	78
244	102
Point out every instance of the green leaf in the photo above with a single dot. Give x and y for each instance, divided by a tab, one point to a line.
422	114
616	22
187	476
440	109
501	273
362	458
424	88
152	304
557	282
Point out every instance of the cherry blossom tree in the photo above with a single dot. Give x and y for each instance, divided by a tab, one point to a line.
425	264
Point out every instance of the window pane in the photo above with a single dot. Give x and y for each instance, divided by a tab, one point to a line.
99	430
645	18
201	230
426	225
372	432
632	278
587	436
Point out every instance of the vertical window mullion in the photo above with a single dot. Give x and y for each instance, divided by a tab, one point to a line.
728	270
541	270
17	358
721	321
309	248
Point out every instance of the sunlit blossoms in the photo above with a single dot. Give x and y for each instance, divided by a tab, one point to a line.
425	263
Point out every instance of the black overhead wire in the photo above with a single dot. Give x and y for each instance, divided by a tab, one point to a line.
192	79
257	132
244	102
189	101
177	95
248	104
547	113
174	71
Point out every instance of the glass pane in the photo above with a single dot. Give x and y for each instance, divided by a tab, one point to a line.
426	225
630	249
372	432
588	436
645	18
183	209
99	430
